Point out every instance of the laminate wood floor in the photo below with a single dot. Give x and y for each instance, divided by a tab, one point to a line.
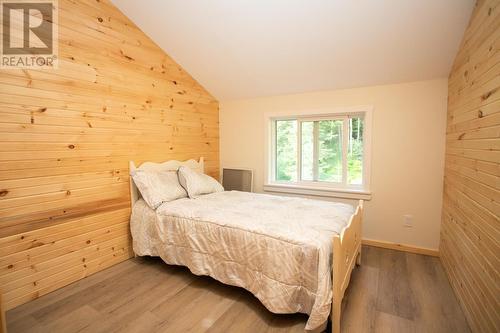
390	292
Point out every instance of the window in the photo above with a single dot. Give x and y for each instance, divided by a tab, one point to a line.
326	152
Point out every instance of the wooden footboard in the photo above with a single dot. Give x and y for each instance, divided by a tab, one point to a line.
346	253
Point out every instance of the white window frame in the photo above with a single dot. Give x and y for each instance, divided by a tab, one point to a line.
319	188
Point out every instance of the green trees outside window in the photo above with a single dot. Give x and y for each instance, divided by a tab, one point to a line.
286	150
355	152
322	150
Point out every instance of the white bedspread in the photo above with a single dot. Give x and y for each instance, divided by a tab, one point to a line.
278	248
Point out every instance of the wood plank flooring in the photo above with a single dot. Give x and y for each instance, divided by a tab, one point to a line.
391	292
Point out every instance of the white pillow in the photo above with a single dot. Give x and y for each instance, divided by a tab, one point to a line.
196	183
157	187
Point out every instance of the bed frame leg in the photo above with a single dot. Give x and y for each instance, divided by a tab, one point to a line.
358	258
336	316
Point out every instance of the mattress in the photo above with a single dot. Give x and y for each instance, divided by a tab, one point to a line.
278	248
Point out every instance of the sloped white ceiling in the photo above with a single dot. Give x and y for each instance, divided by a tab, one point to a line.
252	48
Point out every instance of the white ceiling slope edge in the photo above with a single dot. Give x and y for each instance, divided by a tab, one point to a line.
254	48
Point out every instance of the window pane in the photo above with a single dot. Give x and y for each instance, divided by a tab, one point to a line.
330	151
307	137
355	152
286	150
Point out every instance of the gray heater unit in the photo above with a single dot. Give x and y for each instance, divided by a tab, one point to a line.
237	179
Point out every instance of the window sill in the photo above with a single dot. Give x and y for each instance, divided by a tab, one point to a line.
319	191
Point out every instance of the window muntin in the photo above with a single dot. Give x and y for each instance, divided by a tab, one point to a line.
327	151
307	161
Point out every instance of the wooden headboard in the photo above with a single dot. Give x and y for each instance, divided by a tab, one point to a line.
171	165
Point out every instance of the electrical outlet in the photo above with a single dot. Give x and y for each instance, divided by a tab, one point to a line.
408	221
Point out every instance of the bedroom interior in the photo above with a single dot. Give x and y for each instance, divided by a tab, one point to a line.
357	142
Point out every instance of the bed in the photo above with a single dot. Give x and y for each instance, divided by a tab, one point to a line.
293	254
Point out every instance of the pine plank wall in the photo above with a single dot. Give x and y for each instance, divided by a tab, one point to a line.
66	137
470	232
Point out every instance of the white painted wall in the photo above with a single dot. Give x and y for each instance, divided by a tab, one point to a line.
407	150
